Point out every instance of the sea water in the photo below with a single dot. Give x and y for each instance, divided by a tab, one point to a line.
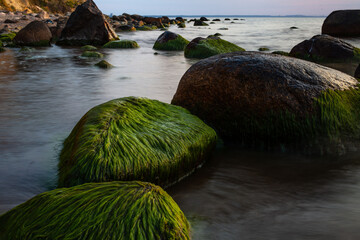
238	194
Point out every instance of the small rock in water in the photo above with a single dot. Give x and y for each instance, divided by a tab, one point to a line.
293	28
104	64
263	49
224	29
90	54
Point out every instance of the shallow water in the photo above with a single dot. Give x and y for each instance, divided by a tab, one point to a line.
236	194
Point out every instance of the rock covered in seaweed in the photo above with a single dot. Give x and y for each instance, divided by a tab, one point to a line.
91	54
36	33
87	26
121	44
200	23
104	64
207	47
134	139
324	48
116	210
270	100
342	23
171	42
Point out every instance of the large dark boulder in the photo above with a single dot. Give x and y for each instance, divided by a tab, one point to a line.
153	21
342	23
268	100
35	33
357	72
324	48
87	25
170	41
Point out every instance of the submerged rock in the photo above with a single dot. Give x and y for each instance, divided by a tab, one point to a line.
134	139
342	23
171	42
36	33
91	54
122	44
116	210
207	47
263	49
89	48
270	100
87	26
324	48
104	64
182	25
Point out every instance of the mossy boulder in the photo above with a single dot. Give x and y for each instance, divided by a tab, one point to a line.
104	64
207	47
134	139
121	44
147	28
264	49
170	41
91	54
89	48
36	33
200	23
324	48
116	210
182	25
7	37
271	101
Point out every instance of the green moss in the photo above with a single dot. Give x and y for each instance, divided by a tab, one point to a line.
90	54
1	44
134	139
263	49
2	49
281	53
147	28
104	64
334	118
89	48
116	210
182	25
122	44
7	37
27	49
210	47
177	44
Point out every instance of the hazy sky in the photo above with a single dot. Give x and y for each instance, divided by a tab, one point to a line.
226	7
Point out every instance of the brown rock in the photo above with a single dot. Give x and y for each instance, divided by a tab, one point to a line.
225	88
342	23
153	21
324	48
35	33
87	26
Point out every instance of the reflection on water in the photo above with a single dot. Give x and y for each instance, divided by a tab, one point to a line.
253	195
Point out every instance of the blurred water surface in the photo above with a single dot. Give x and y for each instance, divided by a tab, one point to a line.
237	195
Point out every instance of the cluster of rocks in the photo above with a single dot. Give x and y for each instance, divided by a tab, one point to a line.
127	22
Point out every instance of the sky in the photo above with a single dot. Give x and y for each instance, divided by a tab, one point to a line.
226	7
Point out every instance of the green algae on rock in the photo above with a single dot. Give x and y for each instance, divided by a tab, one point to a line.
147	28
170	41
89	48
91	54
270	101
104	64
135	139
264	49
122	44
7	37
115	210
207	47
